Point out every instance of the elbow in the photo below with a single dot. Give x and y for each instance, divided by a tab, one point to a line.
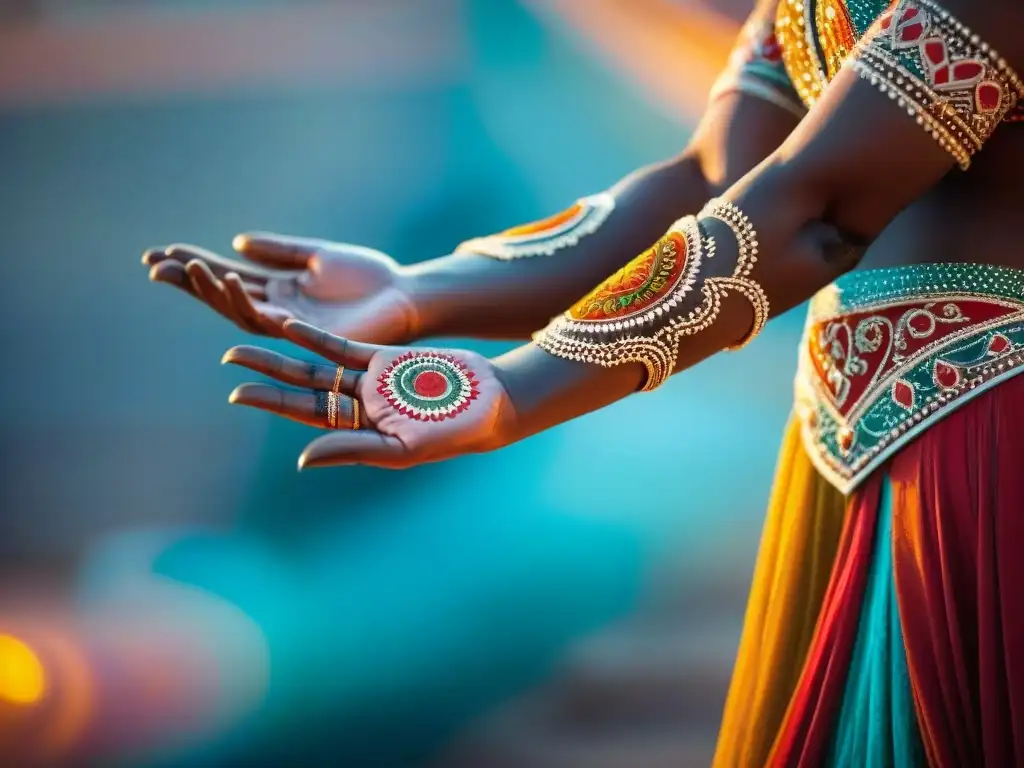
805	193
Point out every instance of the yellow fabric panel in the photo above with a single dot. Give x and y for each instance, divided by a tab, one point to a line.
798	548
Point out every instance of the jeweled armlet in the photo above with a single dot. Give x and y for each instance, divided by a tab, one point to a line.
642	312
954	84
544	237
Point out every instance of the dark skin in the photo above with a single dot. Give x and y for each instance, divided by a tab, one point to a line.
831	175
363	294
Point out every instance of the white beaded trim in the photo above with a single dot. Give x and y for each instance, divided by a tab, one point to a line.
595	210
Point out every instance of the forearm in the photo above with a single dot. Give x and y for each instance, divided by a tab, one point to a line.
548	390
471	294
827	192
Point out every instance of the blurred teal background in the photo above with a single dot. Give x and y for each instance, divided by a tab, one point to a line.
397	608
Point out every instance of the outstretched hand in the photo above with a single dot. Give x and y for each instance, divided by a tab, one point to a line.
391	407
348	289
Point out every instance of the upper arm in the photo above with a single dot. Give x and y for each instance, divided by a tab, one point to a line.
896	118
752	106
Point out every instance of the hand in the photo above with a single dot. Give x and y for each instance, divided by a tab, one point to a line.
391	407
348	289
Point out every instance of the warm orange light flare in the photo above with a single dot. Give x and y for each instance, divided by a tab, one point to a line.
22	680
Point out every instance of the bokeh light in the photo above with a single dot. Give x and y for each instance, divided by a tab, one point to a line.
22	678
211	606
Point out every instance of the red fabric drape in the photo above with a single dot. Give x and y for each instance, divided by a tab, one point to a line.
958	538
958	559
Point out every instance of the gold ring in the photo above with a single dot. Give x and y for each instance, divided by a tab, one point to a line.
355	413
336	389
332	410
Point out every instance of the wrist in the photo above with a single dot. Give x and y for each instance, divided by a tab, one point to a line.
418	288
431	295
544	391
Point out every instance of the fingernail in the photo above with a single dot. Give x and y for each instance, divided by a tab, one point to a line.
227	358
239	242
233	397
301	463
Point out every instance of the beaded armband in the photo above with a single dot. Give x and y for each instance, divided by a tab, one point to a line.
544	237
746	241
956	86
642	312
755	68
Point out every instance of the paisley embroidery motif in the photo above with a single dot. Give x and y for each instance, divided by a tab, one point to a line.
639	285
888	352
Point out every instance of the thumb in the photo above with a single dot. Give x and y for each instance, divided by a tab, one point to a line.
277	251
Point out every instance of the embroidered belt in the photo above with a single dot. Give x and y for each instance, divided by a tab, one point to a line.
888	352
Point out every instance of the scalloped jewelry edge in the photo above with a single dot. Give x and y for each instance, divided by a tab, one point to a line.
596	210
468	391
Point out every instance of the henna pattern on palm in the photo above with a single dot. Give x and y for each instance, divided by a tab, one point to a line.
428	386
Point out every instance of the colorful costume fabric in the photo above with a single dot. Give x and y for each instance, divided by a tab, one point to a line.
884	625
885	628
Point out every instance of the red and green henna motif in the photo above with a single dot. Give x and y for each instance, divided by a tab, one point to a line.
428	386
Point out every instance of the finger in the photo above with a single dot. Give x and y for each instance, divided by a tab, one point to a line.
172	273
211	290
309	408
291	371
342	351
255	291
241	302
219	266
277	251
153	256
358	447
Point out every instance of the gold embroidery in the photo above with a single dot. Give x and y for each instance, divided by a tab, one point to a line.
956	86
794	30
835	32
642	313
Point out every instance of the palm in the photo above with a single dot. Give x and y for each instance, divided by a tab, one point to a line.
395	404
348	289
390	406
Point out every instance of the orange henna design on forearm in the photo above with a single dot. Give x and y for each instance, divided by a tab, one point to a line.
642	312
544	237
